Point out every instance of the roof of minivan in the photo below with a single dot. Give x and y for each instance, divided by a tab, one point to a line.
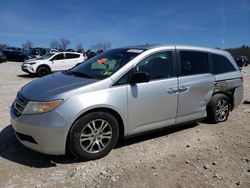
151	46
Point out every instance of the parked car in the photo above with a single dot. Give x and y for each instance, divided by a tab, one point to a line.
53	50
17	56
2	57
89	54
123	92
241	60
39	51
70	50
52	62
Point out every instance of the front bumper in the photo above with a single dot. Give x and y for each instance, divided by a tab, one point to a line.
45	133
28	68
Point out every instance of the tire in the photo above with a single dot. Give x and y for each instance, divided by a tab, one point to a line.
42	71
218	108
99	132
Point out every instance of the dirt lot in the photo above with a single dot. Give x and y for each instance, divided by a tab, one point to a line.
196	155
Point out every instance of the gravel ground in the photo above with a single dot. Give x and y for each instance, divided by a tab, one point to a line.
195	155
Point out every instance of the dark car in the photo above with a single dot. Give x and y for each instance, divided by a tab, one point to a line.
70	50
39	51
241	60
17	56
2	57
90	54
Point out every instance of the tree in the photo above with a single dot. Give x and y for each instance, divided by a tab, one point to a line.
2	46
28	44
54	44
101	46
64	43
79	47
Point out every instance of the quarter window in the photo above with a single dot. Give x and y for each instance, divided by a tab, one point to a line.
221	64
194	63
158	66
123	80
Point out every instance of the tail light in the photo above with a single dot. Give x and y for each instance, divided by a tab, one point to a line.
242	79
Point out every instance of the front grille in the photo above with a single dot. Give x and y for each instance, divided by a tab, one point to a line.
19	104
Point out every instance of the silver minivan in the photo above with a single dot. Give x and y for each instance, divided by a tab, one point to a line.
123	92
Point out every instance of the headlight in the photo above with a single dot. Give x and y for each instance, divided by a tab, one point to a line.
32	63
40	107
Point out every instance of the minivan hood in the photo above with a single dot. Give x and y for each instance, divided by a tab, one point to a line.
52	86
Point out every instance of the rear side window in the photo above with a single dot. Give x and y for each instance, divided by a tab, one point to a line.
72	56
194	63
221	64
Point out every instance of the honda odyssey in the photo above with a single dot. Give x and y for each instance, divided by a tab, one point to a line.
123	92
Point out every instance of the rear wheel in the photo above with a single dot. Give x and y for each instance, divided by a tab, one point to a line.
218	108
93	135
42	71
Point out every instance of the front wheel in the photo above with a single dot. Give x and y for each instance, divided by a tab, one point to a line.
218	108
93	135
43	71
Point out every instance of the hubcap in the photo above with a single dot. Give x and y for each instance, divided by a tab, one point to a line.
44	71
95	136
222	110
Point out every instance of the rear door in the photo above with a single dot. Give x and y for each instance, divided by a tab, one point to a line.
153	104
71	59
196	85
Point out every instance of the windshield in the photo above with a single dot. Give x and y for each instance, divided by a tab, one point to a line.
46	56
105	64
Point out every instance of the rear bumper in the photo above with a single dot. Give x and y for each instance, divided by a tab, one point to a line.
238	96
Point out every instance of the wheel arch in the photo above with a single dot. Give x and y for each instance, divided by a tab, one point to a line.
229	94
43	65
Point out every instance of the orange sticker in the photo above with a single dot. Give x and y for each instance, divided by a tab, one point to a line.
103	60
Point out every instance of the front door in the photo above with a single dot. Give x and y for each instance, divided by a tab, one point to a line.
57	62
153	104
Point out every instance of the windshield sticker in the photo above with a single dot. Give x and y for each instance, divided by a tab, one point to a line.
101	61
135	51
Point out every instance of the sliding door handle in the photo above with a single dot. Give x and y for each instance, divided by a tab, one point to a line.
172	91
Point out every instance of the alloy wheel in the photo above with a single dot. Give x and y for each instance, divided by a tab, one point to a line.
95	136
222	110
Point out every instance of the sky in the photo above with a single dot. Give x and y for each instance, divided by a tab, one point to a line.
208	23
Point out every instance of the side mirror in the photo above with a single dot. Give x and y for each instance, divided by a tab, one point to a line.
139	77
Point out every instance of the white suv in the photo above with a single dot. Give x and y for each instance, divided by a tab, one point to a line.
52	62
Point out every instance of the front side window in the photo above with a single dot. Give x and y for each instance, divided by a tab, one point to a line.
194	63
221	64
105	64
158	66
58	57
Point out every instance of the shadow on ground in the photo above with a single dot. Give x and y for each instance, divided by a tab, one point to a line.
27	76
12	150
